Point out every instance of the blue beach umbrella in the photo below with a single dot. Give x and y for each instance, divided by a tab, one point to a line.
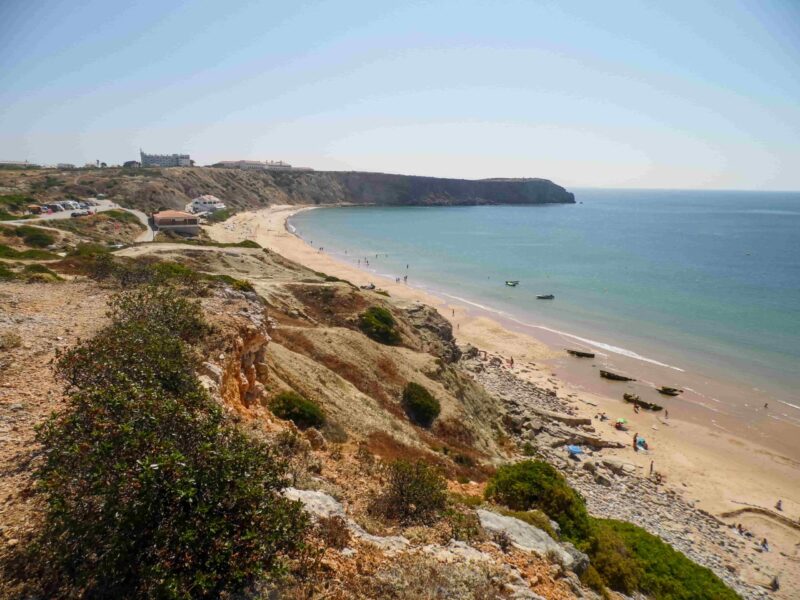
574	449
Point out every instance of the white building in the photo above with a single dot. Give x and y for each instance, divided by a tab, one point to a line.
256	165
65	166
205	203
165	160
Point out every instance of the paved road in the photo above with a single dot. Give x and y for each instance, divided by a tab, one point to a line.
102	205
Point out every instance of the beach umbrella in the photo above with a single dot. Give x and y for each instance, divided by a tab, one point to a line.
622	420
574	449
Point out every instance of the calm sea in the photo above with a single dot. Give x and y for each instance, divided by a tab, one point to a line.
706	281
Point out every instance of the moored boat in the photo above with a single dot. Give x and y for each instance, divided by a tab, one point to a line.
545	297
668	391
512	283
634	399
580	353
615	376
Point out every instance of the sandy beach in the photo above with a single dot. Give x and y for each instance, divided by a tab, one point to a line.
713	468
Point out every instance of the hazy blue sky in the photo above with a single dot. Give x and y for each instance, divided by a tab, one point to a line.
683	94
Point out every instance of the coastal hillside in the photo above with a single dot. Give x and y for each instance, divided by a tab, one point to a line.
243	396
151	189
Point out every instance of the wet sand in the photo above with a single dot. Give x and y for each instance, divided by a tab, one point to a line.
711	463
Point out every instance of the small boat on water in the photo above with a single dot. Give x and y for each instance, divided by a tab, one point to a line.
513	283
634	399
545	297
669	391
580	353
614	376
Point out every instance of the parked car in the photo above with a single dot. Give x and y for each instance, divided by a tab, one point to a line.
79	213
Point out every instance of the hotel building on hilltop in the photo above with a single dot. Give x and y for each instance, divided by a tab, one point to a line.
257	165
165	160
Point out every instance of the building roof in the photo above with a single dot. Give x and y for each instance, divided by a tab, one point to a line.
207	198
173	214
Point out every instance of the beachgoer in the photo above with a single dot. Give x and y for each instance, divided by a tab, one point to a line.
766	404
405	278
765	545
635	442
454	312
775	585
511	362
666	414
739	528
651	468
779	505
636	408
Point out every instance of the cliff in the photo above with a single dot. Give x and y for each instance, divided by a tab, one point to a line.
150	189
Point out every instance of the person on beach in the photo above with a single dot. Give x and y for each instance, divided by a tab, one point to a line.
651	468
636	442
405	278
779	505
765	545
666	414
511	362
454	312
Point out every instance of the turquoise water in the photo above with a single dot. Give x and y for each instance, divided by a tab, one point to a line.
690	279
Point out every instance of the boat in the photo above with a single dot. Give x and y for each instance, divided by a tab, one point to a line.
512	283
634	399
580	353
669	391
614	376
545	297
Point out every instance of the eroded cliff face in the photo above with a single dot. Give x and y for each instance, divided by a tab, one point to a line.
235	369
150	189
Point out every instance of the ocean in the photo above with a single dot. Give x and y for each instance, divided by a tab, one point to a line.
706	282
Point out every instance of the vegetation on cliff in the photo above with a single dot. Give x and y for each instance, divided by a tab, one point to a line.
420	405
149	490
623	556
378	323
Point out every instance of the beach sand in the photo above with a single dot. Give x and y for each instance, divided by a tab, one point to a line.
716	469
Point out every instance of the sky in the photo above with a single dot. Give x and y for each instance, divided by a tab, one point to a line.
680	94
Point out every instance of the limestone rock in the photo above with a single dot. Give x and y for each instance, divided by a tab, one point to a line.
524	536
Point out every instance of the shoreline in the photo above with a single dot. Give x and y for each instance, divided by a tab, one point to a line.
713	468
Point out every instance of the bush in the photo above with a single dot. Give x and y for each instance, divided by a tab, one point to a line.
297	409
218	216
8	252
420	405
333	531
536	484
378	323
160	307
6	274
629	558
150	491
32	236
415	493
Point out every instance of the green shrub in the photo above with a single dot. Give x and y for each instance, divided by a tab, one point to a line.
149	490
161	307
628	558
297	409
378	323
8	252
88	250
218	216
241	285
6	274
420	405
536	484
41	273
415	493
33	236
